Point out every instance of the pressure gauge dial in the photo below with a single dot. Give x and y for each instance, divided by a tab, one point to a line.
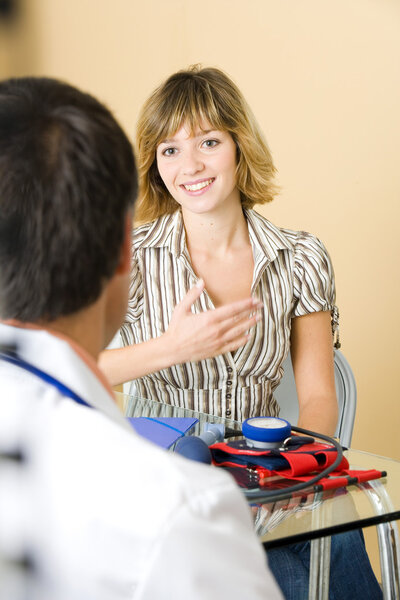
266	432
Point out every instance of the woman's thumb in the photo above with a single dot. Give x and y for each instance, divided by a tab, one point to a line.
192	295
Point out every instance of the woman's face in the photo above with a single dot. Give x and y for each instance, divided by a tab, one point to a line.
199	171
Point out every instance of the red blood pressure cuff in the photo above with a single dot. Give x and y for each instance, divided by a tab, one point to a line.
309	458
252	467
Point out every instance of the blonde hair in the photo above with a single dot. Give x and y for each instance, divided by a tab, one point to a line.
191	97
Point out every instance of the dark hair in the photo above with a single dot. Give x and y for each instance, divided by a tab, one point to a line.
67	180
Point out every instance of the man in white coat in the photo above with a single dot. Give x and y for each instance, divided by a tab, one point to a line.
102	513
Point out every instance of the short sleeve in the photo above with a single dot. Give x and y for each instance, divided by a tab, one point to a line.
314	280
135	302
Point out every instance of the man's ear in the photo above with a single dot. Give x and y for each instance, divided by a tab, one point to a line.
124	264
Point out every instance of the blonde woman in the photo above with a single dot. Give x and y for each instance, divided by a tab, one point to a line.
193	336
203	165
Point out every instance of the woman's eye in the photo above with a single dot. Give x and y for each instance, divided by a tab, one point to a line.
169	151
210	143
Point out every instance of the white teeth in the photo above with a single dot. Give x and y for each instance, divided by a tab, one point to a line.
197	186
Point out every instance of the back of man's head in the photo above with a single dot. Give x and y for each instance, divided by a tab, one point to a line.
67	180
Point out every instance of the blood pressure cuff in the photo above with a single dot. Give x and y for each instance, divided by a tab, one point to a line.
253	468
309	458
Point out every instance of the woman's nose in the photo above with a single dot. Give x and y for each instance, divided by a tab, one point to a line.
193	163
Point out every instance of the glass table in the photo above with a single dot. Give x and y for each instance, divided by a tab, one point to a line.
316	516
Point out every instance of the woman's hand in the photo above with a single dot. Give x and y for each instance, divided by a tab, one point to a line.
193	337
189	337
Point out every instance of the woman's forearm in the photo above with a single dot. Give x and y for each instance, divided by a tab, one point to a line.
124	364
313	367
189	337
320	416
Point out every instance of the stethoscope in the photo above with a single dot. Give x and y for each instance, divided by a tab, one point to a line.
9	354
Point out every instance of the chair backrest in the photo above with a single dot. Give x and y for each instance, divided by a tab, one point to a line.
346	392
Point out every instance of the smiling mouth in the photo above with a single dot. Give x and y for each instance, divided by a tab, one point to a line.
195	187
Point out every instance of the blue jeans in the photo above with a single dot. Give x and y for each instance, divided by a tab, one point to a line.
351	575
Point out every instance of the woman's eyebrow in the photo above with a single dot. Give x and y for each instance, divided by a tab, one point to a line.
206	132
199	134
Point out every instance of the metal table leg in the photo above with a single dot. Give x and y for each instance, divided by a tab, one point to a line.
320	554
388	553
388	539
320	558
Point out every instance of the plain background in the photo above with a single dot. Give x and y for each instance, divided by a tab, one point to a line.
323	80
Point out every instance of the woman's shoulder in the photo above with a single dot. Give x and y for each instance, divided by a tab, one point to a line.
297	240
155	233
308	249
301	239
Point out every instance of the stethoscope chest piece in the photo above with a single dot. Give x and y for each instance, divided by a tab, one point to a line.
266	432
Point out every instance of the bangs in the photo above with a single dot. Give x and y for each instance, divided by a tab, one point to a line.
193	106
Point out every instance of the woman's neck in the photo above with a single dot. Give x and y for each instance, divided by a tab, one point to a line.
216	233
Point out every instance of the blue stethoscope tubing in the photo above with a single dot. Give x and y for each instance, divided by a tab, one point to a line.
16	360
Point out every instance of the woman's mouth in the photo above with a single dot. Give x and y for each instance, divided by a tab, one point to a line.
198	187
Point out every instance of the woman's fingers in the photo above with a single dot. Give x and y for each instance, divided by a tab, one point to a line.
232	310
211	332
228	335
231	327
232	345
237	310
192	295
235	337
240	323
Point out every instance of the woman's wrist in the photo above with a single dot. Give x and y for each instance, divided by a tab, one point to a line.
168	352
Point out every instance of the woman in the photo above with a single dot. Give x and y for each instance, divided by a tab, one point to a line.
203	165
200	151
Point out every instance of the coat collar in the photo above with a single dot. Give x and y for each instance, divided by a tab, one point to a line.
62	358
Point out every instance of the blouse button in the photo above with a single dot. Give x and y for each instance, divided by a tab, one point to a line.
228	412
229	383
229	369
229	395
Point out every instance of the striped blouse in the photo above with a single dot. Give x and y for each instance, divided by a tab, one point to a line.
293	276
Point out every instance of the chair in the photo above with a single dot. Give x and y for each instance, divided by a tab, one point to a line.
346	393
388	538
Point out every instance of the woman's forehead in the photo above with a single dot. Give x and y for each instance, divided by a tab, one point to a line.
196	120
189	130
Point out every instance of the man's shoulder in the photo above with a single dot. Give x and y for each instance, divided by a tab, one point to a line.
178	479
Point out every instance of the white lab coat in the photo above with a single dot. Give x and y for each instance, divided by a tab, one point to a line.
107	514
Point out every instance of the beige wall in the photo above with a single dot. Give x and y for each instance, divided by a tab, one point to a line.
323	79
